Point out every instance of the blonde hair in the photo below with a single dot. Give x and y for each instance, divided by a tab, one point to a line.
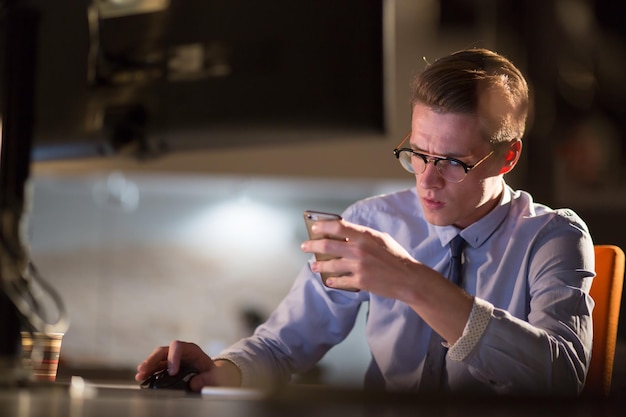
479	82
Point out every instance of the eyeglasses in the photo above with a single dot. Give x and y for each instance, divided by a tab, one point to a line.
450	169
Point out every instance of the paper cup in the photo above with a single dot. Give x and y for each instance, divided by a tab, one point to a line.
41	352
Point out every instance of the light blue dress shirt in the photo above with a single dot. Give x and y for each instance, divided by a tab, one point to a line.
529	267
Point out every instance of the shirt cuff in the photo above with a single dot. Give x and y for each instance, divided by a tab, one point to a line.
473	331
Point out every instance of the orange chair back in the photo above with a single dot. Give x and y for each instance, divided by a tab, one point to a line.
606	291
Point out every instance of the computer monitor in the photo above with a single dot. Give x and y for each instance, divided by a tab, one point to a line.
157	76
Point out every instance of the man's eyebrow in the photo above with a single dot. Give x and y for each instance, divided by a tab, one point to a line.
453	156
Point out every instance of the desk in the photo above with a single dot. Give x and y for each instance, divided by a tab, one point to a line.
56	400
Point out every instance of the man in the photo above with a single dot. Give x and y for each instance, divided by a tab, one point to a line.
519	319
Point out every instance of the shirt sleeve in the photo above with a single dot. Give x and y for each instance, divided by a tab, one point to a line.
547	349
305	325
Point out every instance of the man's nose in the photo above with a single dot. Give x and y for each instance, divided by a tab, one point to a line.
430	178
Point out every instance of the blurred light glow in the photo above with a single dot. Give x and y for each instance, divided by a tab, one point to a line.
576	17
117	192
117	8
240	226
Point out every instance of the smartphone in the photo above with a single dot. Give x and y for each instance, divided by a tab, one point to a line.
312	216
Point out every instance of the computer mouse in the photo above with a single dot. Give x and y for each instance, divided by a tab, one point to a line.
163	380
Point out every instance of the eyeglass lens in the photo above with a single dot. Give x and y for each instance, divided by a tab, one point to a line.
416	164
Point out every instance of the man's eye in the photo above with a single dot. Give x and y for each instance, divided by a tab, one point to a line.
451	162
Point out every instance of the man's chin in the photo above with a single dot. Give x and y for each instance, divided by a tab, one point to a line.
438	220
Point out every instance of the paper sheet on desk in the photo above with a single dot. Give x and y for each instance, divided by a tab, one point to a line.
228	393
79	387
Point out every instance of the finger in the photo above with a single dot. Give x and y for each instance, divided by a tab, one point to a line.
196	383
340	282
326	226
188	353
204	379
339	230
325	246
156	361
152	366
175	355
144	372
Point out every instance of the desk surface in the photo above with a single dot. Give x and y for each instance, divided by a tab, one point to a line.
99	401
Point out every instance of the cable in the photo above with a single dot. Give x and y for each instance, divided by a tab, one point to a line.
19	283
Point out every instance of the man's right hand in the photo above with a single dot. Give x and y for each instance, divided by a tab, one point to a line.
211	373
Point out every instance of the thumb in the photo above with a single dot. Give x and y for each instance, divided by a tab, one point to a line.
204	379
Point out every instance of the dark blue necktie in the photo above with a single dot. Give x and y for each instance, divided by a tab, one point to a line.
434	365
456	252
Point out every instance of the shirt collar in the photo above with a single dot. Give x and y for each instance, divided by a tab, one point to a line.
477	233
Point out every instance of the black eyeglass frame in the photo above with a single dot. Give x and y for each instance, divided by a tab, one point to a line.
435	159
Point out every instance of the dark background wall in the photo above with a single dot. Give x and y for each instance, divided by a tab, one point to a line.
575	54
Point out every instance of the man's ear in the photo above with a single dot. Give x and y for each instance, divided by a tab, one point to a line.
511	156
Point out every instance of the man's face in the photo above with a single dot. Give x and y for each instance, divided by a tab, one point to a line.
457	136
